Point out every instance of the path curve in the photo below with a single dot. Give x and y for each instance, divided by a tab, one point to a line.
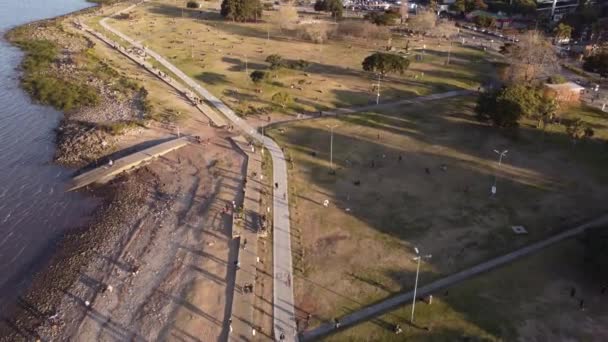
283	308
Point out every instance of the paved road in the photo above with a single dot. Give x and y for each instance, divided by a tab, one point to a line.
406	298
283	308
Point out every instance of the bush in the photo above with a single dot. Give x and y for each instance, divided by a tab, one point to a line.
557	79
59	93
193	4
241	10
39	54
364	30
385	63
597	63
282	99
258	76
276	61
317	33
335	7
383	19
485	21
298	65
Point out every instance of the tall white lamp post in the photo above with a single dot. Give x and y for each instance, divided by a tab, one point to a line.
418	258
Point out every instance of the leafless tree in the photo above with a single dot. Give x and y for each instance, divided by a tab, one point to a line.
531	58
424	21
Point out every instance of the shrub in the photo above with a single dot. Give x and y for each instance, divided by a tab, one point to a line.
557	79
384	63
485	21
276	61
241	10
364	30
317	33
335	7
383	19
298	65
258	76
59	93
282	99
193	4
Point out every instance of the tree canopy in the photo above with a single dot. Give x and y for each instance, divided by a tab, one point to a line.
384	63
562	31
597	63
332	6
506	106
531	57
241	10
383	19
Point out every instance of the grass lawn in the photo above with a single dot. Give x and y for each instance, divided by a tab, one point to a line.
214	52
420	175
528	300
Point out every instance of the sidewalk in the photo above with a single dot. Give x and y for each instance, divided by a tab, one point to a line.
245	228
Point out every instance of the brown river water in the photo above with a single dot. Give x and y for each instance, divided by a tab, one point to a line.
35	210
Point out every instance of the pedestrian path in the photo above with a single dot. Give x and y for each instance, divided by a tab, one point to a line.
213	116
372	311
245	229
283	300
106	172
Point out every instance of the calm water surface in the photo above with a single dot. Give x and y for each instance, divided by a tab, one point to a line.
34	209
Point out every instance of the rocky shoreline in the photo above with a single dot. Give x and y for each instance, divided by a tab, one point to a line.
74	251
87	134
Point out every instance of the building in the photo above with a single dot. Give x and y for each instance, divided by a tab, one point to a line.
564	92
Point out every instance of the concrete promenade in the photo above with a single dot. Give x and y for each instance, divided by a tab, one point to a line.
379	308
245	229
106	172
283	299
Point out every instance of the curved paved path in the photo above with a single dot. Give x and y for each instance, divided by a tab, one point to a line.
283	308
379	308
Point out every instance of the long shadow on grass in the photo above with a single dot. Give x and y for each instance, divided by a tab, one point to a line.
421	177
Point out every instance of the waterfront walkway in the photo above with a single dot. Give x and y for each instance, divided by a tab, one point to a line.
245	229
106	172
283	299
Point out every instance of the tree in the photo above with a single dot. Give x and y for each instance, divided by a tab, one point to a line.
241	10
547	110
458	6
557	79
384	63
595	241
485	21
424	21
480	5
506	106
335	7
282	99
276	61
526	7
562	32
597	63
531	57
258	76
404	10
579	129
286	16
317	32
193	4
383	19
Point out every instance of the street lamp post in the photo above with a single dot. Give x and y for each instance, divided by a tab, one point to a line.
331	147
500	156
378	90
418	258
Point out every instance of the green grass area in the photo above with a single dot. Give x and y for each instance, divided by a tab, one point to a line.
39	80
221	55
